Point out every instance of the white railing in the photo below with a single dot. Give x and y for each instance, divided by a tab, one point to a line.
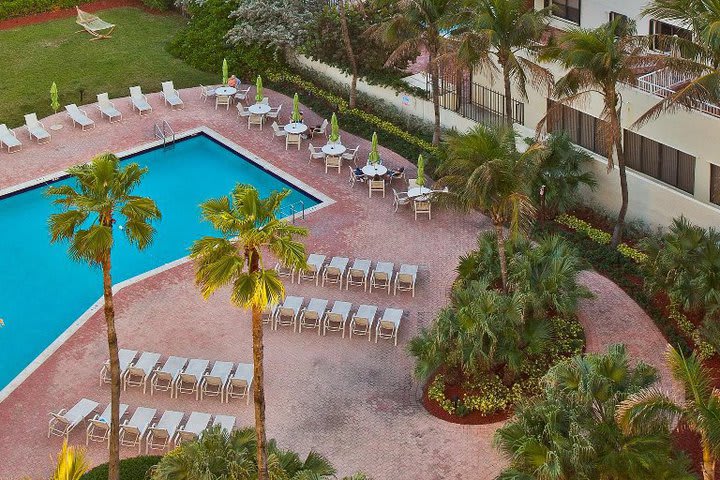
665	83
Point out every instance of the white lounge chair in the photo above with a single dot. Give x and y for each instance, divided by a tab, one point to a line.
9	139
226	422
278	132
171	96
164	378
126	358
64	421
107	108
362	322
382	276
161	434
312	315
79	116
213	383
36	129
138	374
195	425
98	429
190	377
316	153
285	271
389	324
335	271
358	274
239	384
406	278
139	101
288	312
133	431
336	319
268	314
314	266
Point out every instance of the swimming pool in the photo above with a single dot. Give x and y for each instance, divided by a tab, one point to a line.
42	291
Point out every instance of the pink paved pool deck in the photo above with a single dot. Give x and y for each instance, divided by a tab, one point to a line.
352	400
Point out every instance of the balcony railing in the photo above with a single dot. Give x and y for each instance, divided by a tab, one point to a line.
664	83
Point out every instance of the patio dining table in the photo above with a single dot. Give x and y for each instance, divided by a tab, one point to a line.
372	170
295	128
225	91
334	149
259	109
418	192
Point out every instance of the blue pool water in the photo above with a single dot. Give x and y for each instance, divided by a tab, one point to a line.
42	291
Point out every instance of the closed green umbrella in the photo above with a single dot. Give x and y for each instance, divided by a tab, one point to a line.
54	101
334	129
259	90
225	71
374	156
421	171
296	109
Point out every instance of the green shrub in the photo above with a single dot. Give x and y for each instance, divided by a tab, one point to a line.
159	4
21	8
135	468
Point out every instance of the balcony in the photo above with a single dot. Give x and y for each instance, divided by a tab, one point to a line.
663	83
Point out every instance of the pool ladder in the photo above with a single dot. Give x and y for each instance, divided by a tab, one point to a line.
295	211
164	132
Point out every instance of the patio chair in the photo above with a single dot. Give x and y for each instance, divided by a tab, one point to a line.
389	324
265	101
98	428
274	113
171	96
161	434
400	198
312	315
351	155
206	92
164	378
316	153
335	271
285	271
278	132
336	319
381	276
78	116
254	119
36	129
406	278
64	421
223	100
242	95
293	139
320	130
133	431
125	357
361	323
139	101
395	174
138	374
314	266
268	314
226	422
242	111
422	206
189	379
213	383
375	185
107	108
333	161
358	274
9	139
239	384
195	425
356	175
412	183
287	313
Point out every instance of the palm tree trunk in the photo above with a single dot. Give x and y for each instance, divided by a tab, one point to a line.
435	81
500	237
708	466
508	95
258	381
616	129
350	52
109	309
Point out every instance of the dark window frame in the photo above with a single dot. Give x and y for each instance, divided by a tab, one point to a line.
560	9
715	184
661	162
658	27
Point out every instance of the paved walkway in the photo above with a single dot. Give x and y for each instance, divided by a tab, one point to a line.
349	399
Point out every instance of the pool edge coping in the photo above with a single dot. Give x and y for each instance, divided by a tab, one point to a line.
325	201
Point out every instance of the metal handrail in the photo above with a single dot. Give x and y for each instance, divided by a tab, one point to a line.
294	211
172	132
163	131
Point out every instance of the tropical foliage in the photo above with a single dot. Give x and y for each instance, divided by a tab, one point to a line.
570	431
71	463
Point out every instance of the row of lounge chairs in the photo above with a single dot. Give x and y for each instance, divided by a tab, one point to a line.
179	375
359	274
168	429
316	315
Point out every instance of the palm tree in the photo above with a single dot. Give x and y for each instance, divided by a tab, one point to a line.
71	463
104	196
485	171
700	409
498	32
342	12
598	60
420	25
248	227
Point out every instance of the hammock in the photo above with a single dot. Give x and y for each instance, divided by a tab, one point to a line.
93	25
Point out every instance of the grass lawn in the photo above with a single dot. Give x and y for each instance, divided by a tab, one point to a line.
34	56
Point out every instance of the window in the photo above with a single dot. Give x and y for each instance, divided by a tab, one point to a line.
567	9
715	184
617	16
581	128
666	30
660	161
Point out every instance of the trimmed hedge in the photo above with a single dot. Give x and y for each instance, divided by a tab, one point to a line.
23	8
135	468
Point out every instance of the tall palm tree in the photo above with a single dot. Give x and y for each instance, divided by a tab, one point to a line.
485	171
342	12
598	60
503	32
700	409
102	197
249	226
421	25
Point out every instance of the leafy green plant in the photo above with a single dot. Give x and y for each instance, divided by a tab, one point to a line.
135	468
21	8
601	237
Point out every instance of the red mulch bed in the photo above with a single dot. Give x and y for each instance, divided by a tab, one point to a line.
689	442
70	12
474	418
